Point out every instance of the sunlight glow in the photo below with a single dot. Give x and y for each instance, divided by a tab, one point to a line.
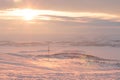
26	14
17	0
33	14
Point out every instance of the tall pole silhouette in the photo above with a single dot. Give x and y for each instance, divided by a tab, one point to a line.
48	51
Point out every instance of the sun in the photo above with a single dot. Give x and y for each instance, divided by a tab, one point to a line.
26	14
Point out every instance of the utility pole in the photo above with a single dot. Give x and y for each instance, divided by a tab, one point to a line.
48	51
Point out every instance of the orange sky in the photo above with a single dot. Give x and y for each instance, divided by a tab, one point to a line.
58	17
61	10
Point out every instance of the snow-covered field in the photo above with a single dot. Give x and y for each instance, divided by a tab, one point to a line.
64	61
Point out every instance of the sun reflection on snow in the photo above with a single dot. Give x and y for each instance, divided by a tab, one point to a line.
46	63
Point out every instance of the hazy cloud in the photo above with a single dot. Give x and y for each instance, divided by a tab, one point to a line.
104	6
78	6
5	4
83	21
44	20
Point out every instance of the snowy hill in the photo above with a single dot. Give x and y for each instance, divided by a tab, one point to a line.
71	66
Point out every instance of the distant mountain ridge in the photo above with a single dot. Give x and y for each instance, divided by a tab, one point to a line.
97	43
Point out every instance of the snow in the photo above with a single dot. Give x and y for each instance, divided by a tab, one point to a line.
31	61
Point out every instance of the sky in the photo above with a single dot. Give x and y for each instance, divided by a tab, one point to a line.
63	18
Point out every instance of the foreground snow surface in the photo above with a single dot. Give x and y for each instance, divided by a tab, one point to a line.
60	66
35	63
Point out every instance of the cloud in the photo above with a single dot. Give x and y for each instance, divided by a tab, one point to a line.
63	21
104	6
55	18
5	4
84	21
